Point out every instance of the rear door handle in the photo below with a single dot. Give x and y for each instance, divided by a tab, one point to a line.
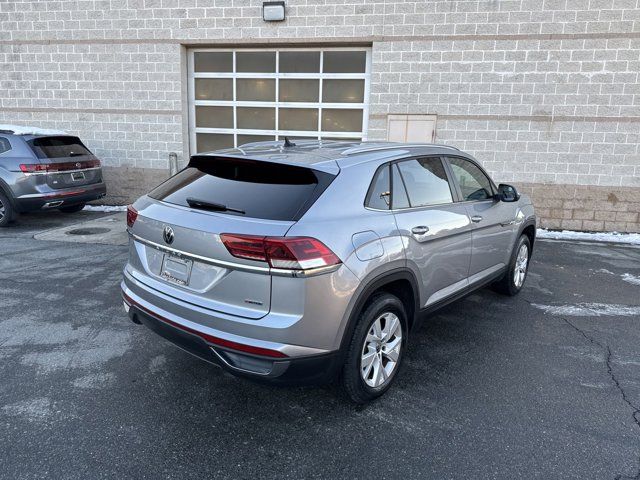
419	230
476	218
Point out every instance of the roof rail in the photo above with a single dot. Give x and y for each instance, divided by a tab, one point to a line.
393	146
280	143
263	143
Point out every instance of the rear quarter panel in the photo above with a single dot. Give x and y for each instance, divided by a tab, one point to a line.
367	241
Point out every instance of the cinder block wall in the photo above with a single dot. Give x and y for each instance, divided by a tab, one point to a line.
545	94
587	208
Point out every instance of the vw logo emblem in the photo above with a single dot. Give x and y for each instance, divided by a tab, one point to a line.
168	235
78	165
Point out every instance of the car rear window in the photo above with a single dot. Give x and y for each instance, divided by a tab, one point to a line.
58	147
259	189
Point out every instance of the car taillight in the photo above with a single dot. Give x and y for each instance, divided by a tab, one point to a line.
33	168
132	216
245	246
292	253
298	253
59	167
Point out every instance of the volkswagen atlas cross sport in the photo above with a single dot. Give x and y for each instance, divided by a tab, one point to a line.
45	169
313	262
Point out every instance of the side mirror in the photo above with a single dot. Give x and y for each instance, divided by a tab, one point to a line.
507	193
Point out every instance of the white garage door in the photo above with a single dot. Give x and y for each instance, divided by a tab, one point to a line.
241	96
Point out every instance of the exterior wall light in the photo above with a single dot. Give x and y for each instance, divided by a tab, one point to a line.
273	11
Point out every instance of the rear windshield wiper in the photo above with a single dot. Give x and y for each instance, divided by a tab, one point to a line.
214	207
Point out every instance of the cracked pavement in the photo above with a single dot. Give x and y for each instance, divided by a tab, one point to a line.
543	385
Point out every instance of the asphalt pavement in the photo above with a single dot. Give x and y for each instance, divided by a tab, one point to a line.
543	385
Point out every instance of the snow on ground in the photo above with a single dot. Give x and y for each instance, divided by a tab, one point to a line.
632	279
590	310
609	237
105	208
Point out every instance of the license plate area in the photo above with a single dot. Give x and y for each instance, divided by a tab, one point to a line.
176	270
77	176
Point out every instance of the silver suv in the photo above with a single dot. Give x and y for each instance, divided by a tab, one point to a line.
45	169
311	262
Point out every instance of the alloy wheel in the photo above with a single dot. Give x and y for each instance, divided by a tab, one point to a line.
2	210
520	269
381	350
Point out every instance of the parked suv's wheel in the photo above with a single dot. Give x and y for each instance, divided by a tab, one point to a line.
513	281
6	210
72	208
376	348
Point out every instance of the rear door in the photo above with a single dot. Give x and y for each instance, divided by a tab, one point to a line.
436	231
177	248
69	163
492	220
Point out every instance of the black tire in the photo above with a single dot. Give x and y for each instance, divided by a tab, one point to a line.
7	212
72	208
507	285
353	382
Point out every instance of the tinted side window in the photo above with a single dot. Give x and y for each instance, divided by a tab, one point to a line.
399	199
379	196
5	146
474	184
426	182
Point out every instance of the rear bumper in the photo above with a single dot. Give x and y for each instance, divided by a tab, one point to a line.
287	370
60	198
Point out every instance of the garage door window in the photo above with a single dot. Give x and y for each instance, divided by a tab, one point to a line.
242	96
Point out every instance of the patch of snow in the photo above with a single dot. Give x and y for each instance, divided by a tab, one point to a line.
24	130
36	409
105	208
604	270
601	386
627	277
94	381
90	351
590	310
609	237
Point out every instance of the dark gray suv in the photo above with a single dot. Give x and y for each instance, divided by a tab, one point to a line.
45	169
305	263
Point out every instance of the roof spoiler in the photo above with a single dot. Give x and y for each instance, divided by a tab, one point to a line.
328	166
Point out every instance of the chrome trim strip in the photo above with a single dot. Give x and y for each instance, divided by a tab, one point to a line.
281	272
400	210
447	291
312	272
50	194
63	192
28	174
409	209
193	256
485	273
